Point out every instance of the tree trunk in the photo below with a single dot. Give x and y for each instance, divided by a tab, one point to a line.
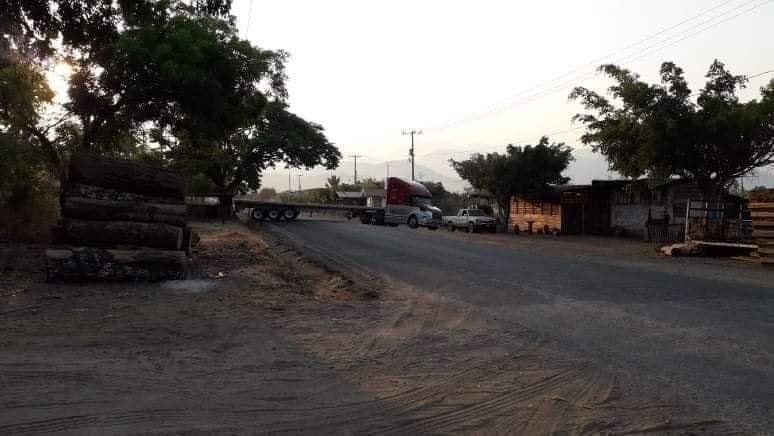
99	193
505	211
126	175
106	210
118	233
94	264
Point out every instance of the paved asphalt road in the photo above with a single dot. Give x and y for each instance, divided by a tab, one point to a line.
712	341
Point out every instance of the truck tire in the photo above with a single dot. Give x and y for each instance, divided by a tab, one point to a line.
471	228
258	214
450	226
289	214
374	220
274	214
413	222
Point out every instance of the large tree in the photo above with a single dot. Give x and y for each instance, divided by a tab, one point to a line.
661	130
527	169
172	73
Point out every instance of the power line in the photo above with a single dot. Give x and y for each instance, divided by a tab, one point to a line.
628	58
761	74
411	150
559	132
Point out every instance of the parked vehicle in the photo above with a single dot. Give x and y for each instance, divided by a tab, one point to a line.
473	220
407	203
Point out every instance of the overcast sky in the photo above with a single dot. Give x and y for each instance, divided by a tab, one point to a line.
470	73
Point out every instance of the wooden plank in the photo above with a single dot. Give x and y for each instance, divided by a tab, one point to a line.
763	233
766	251
761	214
761	206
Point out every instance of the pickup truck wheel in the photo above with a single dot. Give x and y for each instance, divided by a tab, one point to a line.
450	226
471	228
412	222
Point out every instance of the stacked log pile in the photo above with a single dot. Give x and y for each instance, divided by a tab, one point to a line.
123	220
762	211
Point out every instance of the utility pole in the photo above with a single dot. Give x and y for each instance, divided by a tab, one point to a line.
412	132
356	156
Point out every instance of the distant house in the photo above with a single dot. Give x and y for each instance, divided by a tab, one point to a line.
350	198
375	197
628	208
643	210
366	197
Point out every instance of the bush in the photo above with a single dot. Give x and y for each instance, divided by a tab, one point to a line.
29	196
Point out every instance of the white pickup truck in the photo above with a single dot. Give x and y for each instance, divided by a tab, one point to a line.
471	219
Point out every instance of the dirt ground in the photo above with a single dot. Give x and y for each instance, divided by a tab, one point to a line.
264	341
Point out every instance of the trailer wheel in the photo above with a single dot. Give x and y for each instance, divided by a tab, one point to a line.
412	222
290	214
274	214
258	214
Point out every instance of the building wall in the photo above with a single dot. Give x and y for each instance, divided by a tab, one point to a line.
540	213
632	218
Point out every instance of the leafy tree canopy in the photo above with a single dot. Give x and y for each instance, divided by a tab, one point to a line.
532	168
658	130
173	74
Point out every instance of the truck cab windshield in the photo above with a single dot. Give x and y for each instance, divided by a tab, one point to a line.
476	212
421	201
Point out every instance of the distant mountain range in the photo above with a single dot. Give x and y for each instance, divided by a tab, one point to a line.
435	167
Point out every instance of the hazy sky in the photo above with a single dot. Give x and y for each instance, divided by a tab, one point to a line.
473	75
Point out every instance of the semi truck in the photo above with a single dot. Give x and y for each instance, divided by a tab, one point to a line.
406	202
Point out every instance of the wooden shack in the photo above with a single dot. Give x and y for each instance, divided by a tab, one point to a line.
532	212
762	212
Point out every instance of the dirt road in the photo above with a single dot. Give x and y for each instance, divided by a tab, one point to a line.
266	341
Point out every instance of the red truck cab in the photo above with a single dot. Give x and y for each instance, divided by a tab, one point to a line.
410	203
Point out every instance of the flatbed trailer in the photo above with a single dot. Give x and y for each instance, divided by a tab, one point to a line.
276	211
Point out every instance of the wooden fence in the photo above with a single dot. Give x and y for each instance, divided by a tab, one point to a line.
762	211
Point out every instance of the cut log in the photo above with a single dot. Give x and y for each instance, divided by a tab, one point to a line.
126	175
106	210
109	234
94	264
100	193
